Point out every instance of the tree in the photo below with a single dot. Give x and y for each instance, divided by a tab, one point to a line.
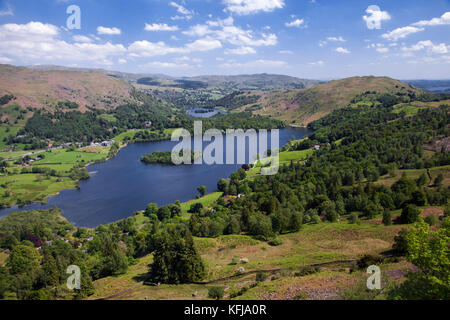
164	213
387	217
439	179
429	251
152	208
50	269
23	260
216	293
410	214
202	190
176	259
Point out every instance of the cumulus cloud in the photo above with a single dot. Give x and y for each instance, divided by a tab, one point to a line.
38	42
160	27
428	45
443	20
246	7
375	16
108	31
255	64
401	33
146	48
317	63
343	50
226	31
296	23
241	51
185	14
82	39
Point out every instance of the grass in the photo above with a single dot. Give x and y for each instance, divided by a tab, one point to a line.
27	188
3	257
16	188
321	242
389	180
285	158
206	201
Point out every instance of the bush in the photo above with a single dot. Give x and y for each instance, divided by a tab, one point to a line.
387	217
275	242
216	293
400	245
354	218
410	214
431	220
368	260
260	277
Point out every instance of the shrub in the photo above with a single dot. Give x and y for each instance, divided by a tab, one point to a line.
410	214
216	293
275	242
260	277
368	260
431	220
354	218
387	217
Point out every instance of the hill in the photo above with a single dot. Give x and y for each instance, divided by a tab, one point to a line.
45	88
256	82
301	107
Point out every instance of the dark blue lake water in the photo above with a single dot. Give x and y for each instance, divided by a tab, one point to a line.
119	187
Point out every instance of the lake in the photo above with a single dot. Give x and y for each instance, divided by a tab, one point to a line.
119	187
204	113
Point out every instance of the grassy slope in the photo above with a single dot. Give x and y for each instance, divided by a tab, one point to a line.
313	244
300	107
40	89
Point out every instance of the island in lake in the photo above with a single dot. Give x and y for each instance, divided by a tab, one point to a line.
165	157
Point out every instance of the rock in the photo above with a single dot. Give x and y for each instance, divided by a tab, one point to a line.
244	260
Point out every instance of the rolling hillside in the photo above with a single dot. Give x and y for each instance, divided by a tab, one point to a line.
301	107
45	88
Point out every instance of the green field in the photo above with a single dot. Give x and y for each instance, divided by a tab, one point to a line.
285	158
207	201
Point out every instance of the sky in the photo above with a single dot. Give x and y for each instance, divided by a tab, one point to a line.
314	39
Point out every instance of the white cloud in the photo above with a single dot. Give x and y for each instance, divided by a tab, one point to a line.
185	13
36	42
401	33
224	30
317	63
375	17
241	51
343	50
255	64
108	31
296	23
285	52
180	8
336	39
122	61
246	7
443	20
146	48
383	50
160	27
428	45
165	65
7	12
82	39
5	60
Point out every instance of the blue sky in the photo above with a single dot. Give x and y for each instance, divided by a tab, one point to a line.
319	39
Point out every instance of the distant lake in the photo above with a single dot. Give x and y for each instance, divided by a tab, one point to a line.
204	113
119	187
